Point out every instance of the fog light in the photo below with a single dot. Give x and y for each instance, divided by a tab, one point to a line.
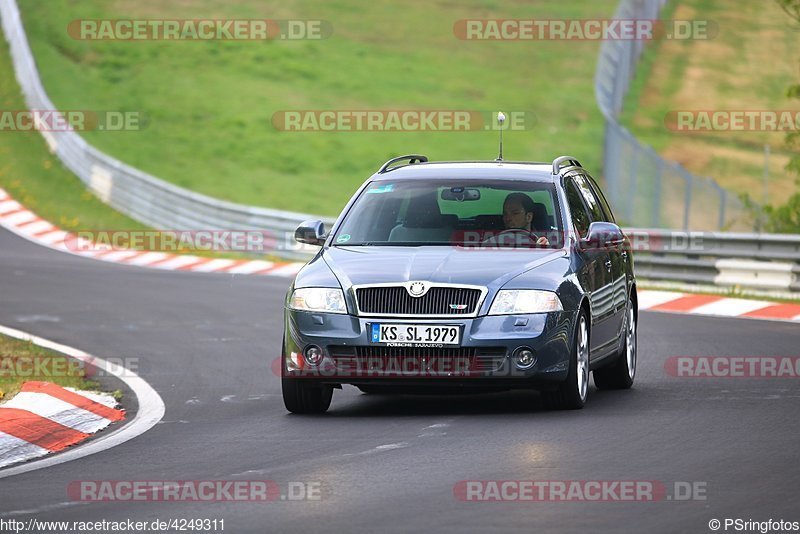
313	354
524	358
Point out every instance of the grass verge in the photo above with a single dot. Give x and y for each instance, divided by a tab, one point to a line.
23	361
37	178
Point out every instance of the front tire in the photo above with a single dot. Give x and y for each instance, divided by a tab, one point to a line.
304	397
571	394
620	375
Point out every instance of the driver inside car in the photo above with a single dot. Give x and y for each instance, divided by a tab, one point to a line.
518	213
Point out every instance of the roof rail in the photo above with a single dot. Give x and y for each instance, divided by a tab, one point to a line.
562	159
412	158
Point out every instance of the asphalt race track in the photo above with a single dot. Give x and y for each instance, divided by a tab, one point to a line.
206	342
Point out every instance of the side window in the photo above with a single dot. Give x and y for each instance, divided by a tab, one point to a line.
580	217
603	202
589	197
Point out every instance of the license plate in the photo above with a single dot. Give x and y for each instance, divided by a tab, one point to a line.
416	333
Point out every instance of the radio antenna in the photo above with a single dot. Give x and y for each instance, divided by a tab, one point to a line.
501	118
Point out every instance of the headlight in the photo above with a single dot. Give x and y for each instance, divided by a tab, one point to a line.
318	299
509	301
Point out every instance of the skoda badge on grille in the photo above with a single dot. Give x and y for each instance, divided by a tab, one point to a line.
417	289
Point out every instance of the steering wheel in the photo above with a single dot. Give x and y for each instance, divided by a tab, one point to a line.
519	231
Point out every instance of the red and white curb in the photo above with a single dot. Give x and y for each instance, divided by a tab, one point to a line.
23	222
44	418
714	305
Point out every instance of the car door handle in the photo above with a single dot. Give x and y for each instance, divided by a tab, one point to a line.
608	264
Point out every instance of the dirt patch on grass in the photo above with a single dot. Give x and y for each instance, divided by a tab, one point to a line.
738	169
747	66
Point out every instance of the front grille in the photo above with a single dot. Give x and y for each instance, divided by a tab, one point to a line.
438	301
412	359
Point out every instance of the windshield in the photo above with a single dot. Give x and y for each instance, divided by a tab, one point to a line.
471	213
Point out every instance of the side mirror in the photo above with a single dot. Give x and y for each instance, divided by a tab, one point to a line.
311	233
603	235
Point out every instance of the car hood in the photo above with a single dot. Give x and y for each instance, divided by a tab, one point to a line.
454	265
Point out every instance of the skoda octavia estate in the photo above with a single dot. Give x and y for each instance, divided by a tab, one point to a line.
487	275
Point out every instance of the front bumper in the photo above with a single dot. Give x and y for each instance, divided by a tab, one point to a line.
483	358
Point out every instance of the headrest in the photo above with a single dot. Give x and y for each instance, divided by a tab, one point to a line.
423	212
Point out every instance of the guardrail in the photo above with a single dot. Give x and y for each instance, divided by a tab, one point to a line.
135	193
727	260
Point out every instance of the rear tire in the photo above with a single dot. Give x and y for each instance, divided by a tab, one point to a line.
571	393
304	397
620	375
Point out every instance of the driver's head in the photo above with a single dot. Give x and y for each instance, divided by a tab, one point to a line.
518	211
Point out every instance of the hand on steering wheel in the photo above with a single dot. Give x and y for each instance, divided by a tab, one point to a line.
538	240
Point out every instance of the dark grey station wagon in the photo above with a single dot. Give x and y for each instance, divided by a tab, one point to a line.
469	276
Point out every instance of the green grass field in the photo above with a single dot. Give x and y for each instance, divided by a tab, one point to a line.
747	66
209	104
22	361
37	179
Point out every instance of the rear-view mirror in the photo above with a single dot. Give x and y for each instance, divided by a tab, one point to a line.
461	194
